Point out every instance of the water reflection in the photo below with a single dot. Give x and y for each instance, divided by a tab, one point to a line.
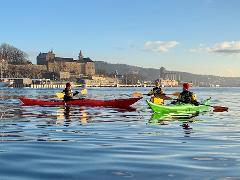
158	118
165	119
68	114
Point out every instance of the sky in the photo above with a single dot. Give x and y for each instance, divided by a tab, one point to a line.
197	36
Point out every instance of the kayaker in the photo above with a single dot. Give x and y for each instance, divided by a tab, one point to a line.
157	94
83	91
68	94
187	96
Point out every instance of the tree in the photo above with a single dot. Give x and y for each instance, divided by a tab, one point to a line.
12	54
101	72
133	78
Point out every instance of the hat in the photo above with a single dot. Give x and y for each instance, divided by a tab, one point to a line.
68	84
186	86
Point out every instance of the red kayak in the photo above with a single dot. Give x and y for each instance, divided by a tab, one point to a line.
118	103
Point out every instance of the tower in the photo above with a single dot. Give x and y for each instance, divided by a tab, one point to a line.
162	73
80	56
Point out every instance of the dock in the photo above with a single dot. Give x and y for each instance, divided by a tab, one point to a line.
46	83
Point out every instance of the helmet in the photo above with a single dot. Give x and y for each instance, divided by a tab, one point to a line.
68	84
186	86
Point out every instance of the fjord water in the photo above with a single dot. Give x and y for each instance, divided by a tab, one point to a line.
107	143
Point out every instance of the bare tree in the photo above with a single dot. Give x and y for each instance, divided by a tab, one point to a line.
12	54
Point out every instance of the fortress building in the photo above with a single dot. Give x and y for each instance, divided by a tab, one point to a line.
80	67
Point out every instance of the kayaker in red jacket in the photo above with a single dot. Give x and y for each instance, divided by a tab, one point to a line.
68	94
187	96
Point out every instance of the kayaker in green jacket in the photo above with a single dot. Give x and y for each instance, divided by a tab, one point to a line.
187	96
68	94
157	94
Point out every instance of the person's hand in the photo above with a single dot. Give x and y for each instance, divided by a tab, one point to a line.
75	93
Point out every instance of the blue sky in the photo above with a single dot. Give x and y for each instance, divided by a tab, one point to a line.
198	36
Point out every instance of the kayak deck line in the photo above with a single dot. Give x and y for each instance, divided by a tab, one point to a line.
121	103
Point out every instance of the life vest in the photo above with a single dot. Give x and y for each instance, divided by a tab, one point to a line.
156	92
157	100
68	92
187	97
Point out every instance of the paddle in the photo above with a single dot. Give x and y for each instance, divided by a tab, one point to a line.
61	94
138	94
216	108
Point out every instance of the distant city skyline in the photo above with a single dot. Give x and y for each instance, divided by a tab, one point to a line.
200	36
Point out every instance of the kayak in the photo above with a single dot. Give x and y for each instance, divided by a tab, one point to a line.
190	108
118	103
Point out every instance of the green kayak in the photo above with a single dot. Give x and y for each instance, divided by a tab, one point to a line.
190	108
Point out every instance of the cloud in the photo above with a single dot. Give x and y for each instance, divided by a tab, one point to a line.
160	46
226	47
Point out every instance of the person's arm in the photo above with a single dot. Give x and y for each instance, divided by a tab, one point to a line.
179	97
164	94
150	93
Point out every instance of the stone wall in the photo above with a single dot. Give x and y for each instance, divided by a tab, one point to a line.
71	67
89	68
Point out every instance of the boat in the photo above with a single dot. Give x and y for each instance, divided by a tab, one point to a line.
189	108
118	103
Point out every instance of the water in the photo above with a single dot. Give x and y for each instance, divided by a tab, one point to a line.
107	143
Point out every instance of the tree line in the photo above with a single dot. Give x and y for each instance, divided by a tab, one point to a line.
13	55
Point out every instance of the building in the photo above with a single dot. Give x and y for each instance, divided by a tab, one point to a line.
162	73
167	75
170	75
168	82
80	67
99	81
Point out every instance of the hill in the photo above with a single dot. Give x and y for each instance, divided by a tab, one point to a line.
150	74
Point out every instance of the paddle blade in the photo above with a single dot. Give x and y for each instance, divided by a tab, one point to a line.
84	91
167	98
60	95
137	94
219	108
175	94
